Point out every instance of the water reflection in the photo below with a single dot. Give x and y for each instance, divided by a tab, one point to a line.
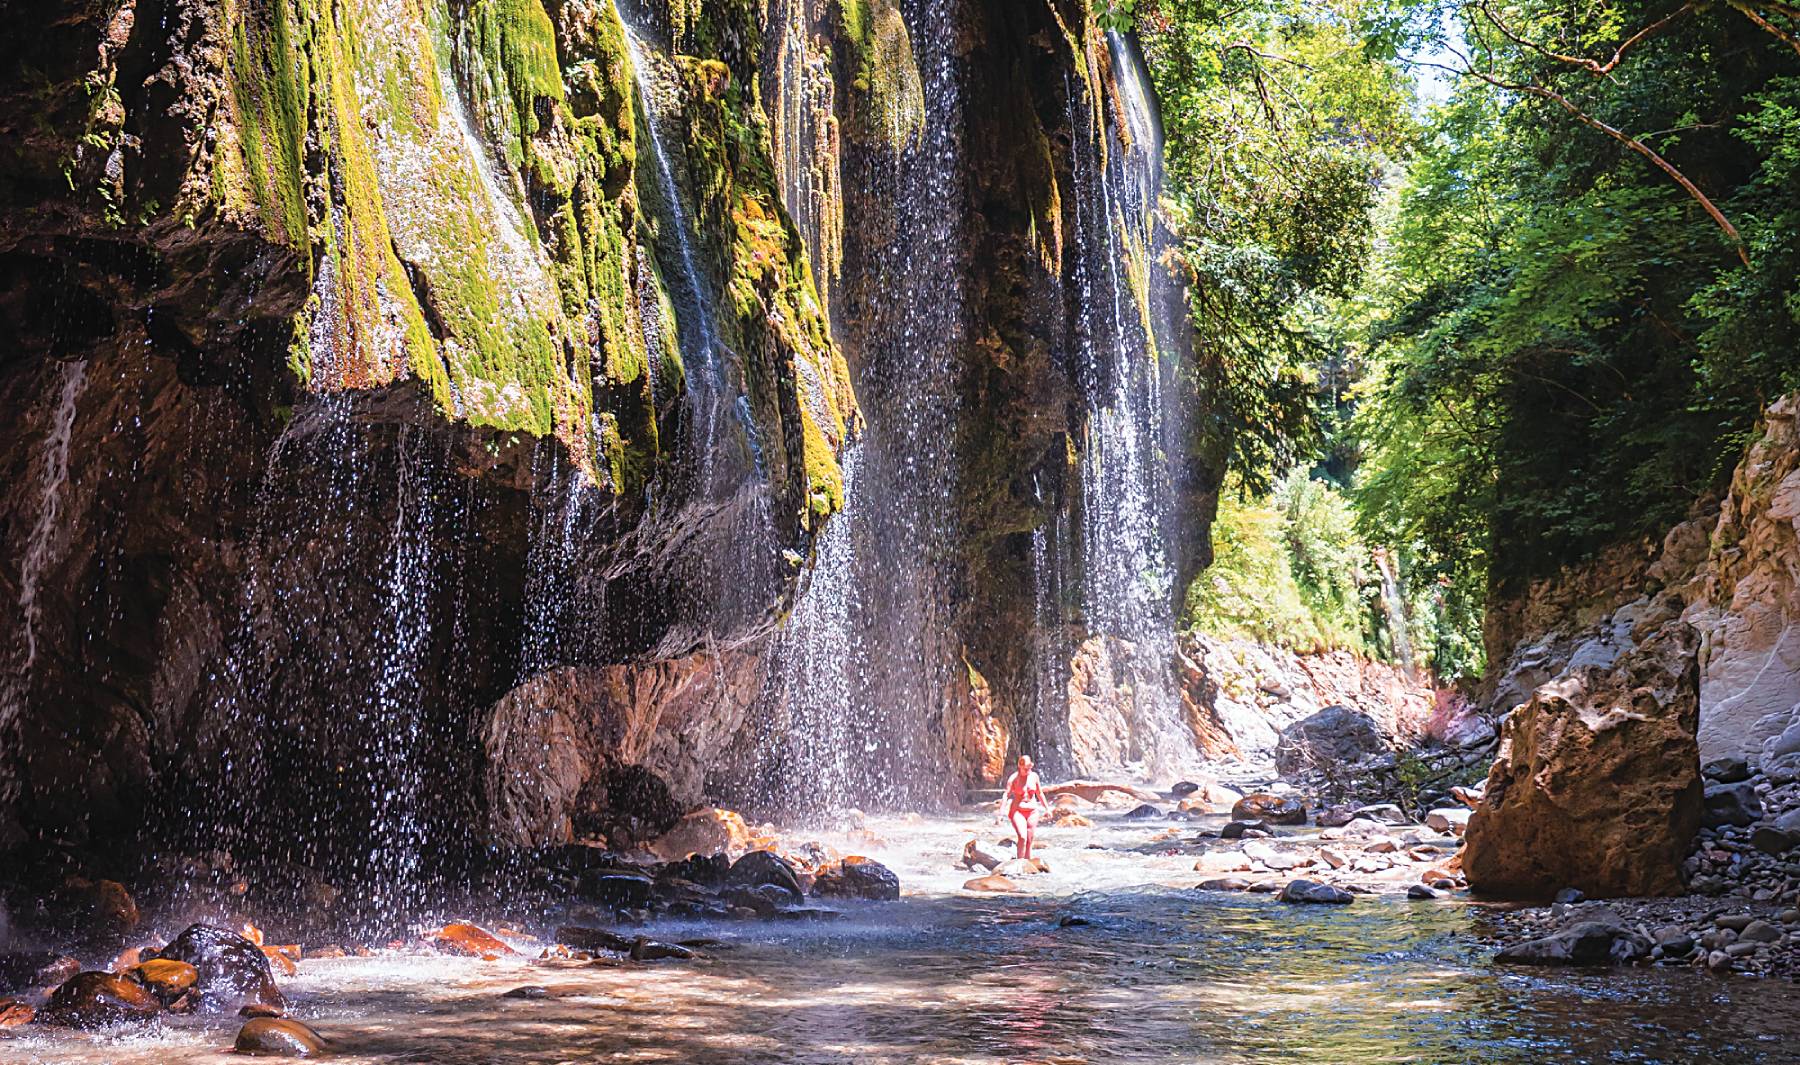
1159	974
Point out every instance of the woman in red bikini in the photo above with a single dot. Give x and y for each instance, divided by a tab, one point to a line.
1024	800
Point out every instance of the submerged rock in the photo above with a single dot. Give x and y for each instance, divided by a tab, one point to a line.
96	1000
1311	891
592	939
1022	867
278	1037
1237	829
231	969
858	877
992	883
1273	809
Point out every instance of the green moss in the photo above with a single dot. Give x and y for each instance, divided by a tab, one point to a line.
890	96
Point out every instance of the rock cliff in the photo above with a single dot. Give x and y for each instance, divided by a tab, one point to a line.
408	392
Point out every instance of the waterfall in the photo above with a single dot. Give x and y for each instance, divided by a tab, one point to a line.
43	545
698	336
1126	506
863	661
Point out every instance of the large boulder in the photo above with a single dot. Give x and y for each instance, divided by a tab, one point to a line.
1335	737
231	971
97	999
1597	786
858	877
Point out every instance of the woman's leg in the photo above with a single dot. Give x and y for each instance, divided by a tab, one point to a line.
1021	826
1030	832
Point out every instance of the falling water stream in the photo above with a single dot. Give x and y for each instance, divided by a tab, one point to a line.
1126	501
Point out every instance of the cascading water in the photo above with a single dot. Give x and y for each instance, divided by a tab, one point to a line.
701	350
44	543
861	669
1126	505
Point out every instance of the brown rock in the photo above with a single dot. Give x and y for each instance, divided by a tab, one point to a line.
280	1037
1598	783
14	1013
993	883
707	831
96	1000
469	940
973	856
1272	809
99	908
30	969
167	980
858	877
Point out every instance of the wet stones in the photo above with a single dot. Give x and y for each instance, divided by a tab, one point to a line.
1015	867
469	940
1314	893
231	969
765	868
617	889
26	970
1272	809
973	857
1589	938
1241	829
98	1000
992	884
14	1013
1142	812
167	980
278	1037
858	877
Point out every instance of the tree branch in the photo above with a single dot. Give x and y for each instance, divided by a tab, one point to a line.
1750	13
1597	69
1638	146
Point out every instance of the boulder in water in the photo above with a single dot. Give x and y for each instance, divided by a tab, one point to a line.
278	1037
1183	789
1142	812
707	869
1237	829
96	1000
1311	891
993	883
858	877
167	980
974	857
592	938
1022	867
1272	809
469	940
232	970
1600	938
759	868
615	888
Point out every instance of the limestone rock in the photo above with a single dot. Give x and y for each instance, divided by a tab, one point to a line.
1333	739
1598	782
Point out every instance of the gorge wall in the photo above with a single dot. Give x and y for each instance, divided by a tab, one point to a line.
432	417
1731	572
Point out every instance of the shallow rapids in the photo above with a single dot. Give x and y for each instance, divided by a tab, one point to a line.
1157	973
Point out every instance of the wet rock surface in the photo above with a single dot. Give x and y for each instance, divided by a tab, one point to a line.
230	969
98	1000
281	1037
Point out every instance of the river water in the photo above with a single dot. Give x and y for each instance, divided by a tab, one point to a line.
1160	973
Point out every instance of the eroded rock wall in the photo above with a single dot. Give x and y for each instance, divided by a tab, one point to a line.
353	393
1731	572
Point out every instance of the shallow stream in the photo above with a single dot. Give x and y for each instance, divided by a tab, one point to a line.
1160	973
